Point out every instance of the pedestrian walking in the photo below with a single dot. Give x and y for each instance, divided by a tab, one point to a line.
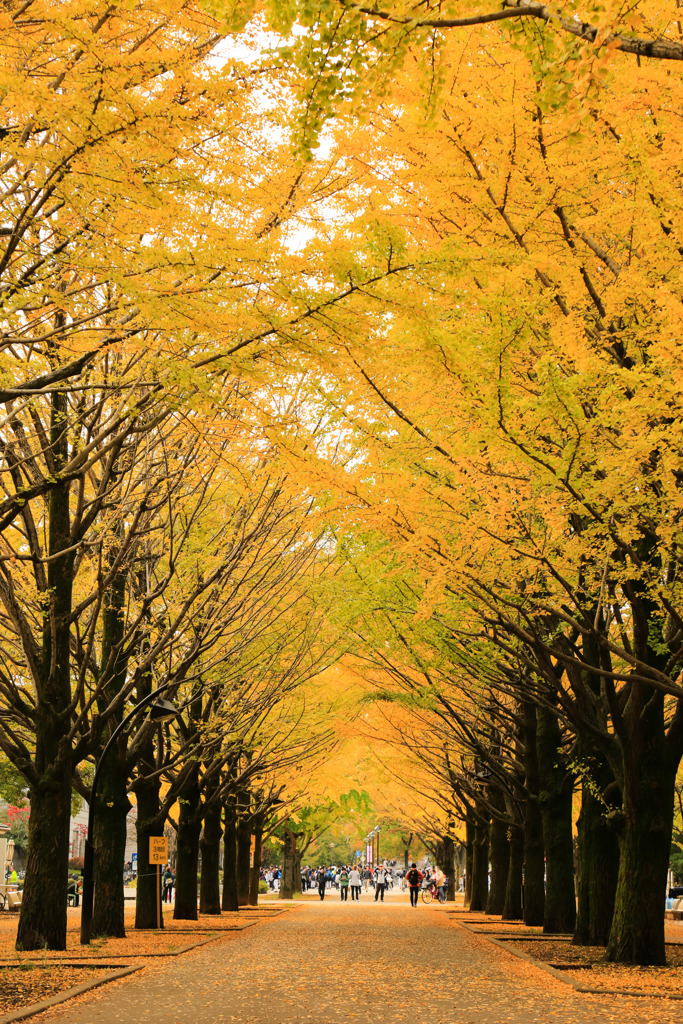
380	883
354	882
414	878
169	881
73	891
322	882
344	884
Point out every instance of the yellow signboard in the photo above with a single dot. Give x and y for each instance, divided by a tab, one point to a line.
252	851
158	849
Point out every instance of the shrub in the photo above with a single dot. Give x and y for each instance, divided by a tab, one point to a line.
17	819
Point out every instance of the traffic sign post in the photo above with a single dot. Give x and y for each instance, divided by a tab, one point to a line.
158	854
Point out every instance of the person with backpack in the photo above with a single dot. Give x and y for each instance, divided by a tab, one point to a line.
168	882
414	879
344	883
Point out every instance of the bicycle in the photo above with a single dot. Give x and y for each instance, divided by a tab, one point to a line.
430	892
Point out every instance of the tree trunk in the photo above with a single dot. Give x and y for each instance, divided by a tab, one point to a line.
480	863
460	854
243	849
210	845
470	828
500	860
534	862
406	851
147	825
42	922
448	867
598	844
187	852
555	802
512	908
637	934
110	848
112	804
291	874
598	849
296	871
229	897
255	870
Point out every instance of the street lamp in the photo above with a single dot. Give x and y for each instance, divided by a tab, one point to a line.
377	834
160	711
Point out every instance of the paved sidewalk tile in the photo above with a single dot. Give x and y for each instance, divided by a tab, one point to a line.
327	963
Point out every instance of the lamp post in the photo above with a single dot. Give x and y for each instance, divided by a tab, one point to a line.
377	842
161	711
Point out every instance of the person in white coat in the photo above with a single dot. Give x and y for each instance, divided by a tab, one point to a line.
354	883
380	882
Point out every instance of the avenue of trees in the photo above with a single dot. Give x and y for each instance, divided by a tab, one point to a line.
365	344
513	413
149	535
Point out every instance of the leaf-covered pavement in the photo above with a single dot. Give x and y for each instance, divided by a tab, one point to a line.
21	987
332	962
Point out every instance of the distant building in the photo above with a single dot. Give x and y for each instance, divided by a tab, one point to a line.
78	830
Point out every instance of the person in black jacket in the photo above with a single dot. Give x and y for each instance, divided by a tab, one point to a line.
414	878
322	882
169	882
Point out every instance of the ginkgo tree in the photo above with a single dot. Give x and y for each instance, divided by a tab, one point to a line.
515	411
147	179
347	53
474	299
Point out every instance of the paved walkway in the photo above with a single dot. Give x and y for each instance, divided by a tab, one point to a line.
367	963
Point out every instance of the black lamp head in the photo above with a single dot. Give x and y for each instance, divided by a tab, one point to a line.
162	711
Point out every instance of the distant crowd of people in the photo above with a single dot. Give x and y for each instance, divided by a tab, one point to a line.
272	876
381	878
